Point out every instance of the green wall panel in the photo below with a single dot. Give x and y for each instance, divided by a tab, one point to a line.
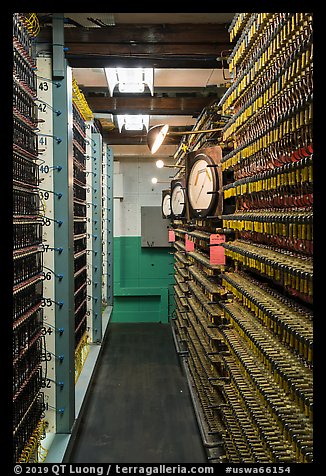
137	309
142	280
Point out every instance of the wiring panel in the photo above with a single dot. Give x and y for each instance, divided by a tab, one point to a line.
244	276
28	350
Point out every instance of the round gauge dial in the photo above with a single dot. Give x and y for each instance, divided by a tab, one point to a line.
201	182
177	200
166	205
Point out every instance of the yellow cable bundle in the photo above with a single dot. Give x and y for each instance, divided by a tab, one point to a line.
80	101
81	354
30	452
32	24
42	454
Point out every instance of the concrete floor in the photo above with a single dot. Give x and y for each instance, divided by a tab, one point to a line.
139	408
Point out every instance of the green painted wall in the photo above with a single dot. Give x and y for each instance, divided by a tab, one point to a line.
142	280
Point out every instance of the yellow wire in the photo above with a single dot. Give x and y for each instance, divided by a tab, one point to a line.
81	354
43	452
80	101
32	24
30	451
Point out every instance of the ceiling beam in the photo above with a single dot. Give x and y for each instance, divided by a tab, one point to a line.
189	106
153	49
115	137
93	61
142	150
153	45
160	91
176	33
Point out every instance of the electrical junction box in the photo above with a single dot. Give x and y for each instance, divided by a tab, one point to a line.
154	228
117	186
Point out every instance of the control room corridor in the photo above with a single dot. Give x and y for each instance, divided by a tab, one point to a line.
139	409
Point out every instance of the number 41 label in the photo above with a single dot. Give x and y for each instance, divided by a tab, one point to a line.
42	141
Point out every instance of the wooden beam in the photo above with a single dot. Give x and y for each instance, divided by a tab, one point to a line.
115	137
123	49
182	33
149	105
165	46
169	62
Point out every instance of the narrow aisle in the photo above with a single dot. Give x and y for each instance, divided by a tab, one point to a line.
139	409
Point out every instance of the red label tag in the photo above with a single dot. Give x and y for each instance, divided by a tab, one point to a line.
171	236
190	245
216	253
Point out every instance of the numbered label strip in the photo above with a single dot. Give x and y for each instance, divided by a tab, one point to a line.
104	226
44	102
89	224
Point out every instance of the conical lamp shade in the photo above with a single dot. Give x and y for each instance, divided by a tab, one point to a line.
156	136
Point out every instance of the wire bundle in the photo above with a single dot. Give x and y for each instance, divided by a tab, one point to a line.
32	24
80	101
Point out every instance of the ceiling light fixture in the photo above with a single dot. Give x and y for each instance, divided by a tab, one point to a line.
155	180
160	164
130	80
131	122
157	134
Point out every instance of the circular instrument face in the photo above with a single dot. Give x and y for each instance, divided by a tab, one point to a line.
201	180
177	200
166	205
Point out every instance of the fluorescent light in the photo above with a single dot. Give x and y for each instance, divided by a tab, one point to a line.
111	78
131	122
159	164
130	80
154	180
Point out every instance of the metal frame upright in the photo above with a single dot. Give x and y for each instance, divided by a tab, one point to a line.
96	276
63	234
108	217
64	395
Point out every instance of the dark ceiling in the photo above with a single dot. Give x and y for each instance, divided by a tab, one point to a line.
152	44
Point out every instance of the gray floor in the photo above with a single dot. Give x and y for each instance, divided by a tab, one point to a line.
139	409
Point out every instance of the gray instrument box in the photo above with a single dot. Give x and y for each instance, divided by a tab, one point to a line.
154	228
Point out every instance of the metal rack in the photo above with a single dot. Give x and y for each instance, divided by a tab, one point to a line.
28	349
244	328
58	268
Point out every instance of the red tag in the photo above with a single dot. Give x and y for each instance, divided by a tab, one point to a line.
216	253
171	236
190	245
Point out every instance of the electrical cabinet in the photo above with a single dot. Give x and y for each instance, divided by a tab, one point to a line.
153	228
